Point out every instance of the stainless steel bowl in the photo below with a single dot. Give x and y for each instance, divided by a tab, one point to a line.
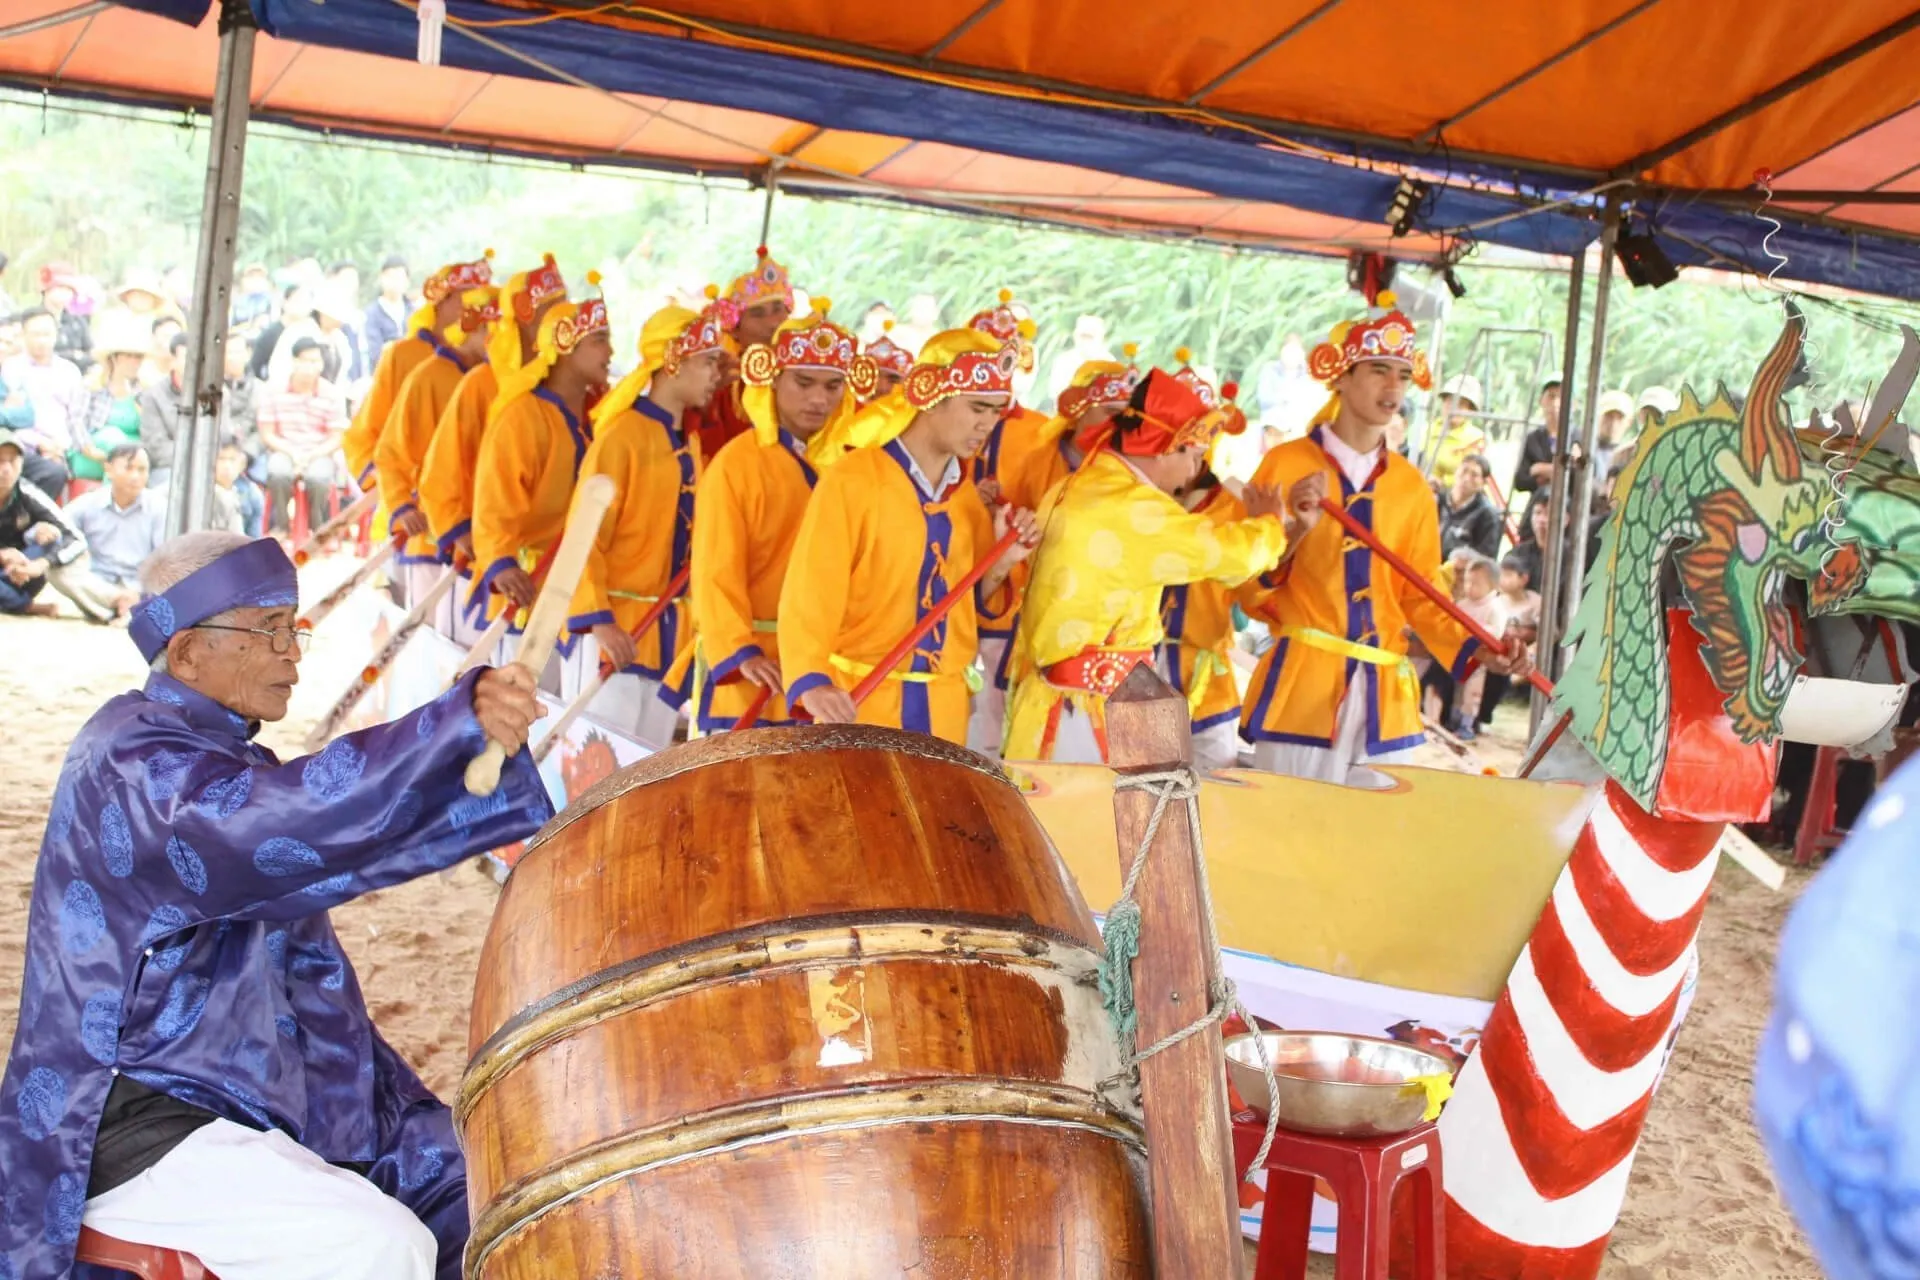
1341	1085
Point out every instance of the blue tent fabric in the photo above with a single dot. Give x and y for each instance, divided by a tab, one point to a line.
1222	160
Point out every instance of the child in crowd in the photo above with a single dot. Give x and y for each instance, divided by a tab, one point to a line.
1520	616
238	503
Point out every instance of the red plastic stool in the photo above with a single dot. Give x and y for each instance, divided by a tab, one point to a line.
1817	832
149	1262
1363	1173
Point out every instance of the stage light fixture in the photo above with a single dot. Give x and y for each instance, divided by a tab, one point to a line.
1407	199
1454	286
1644	261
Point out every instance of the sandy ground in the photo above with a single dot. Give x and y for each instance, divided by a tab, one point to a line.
1701	1204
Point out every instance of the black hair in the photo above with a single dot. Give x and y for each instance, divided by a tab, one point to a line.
391	261
1479	460
292	289
342	265
33	313
1517	563
303	345
121	452
178	342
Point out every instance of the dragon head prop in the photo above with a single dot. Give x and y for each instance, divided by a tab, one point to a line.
1726	505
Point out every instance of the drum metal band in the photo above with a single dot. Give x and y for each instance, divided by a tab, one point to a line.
638	983
916	1102
780	741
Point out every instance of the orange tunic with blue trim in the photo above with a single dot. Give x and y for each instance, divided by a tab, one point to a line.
646	537
404	441
746	515
875	553
447	472
1198	617
529	460
1013	440
362	437
1335	592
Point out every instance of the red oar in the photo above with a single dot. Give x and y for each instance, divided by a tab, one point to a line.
1506	517
895	655
1426	588
654	613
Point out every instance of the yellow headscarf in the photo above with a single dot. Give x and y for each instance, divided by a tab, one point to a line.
1061	423
440	283
757	400
504	353
884	419
661	328
525	380
473	302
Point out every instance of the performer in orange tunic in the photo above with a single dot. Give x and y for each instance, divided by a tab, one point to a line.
440	308
764	299
1018	431
446	473
747	512
1336	691
890	362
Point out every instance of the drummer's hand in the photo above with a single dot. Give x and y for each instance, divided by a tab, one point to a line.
505	705
617	648
463	547
412	523
1021	519
515	585
763	671
1512	662
989	490
829	704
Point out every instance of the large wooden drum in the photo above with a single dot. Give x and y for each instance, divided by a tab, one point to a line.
803	1002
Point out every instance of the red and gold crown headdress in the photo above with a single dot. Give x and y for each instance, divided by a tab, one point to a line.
1233	421
458	277
809	342
479	308
537	286
1165	414
707	332
883	355
1004	323
1385	334
571	323
1100	384
767	282
969	373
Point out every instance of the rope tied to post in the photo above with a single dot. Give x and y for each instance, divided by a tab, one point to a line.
1120	939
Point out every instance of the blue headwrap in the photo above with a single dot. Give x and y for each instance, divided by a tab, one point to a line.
258	575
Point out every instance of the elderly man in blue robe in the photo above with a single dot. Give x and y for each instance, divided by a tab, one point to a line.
194	1066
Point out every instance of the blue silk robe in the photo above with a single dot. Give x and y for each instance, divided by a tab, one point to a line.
179	933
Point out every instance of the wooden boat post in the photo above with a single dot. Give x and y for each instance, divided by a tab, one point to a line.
1195	1209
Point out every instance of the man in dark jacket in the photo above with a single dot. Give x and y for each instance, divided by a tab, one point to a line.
1536	454
1468	517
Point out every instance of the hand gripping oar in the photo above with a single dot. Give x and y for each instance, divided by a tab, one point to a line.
383	659
549	615
1365	535
332	600
883	668
490	638
354	510
604	674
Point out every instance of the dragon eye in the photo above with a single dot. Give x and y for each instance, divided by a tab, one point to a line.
1802	540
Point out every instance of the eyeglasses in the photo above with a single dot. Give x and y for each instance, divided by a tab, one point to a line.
283	639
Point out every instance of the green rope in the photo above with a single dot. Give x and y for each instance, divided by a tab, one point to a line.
1122	943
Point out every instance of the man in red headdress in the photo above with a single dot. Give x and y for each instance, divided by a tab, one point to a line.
763	297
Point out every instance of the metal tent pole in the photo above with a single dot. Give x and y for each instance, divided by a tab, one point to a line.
1548	647
198	434
1580	481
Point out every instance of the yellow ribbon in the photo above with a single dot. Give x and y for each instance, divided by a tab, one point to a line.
1207	663
1314	638
861	670
1438	1087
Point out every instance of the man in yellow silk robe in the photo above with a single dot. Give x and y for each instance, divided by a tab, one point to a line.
1113	538
1196	655
531	454
1336	693
748	511
447	472
416	413
439	308
892	526
763	300
646	539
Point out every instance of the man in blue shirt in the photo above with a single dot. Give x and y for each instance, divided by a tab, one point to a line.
195	1067
121	520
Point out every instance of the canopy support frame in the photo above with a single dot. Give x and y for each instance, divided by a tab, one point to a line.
967	24
1233	72
197	435
1548	641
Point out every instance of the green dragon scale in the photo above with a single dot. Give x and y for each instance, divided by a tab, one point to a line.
1734	501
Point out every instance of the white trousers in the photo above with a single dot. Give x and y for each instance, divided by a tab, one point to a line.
987	719
419	579
1073	741
259	1206
1346	763
627	704
1217	747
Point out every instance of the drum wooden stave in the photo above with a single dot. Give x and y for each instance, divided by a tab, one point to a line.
799	1002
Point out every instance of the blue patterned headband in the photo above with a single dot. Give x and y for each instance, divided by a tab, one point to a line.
258	575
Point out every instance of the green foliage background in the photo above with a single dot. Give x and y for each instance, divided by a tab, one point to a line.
106	190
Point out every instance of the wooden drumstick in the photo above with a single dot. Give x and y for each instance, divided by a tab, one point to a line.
331	601
354	510
606	673
549	614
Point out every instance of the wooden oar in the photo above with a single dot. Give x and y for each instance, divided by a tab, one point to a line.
895	655
1427	588
549	614
372	672
333	599
605	673
354	510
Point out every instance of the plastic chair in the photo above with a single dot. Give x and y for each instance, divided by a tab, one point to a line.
1363	1174
149	1262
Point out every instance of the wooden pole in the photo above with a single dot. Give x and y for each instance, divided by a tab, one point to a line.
1195	1204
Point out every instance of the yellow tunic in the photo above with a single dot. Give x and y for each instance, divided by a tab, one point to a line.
1027	479
524	482
1458	442
647	535
1198	619
875	553
1111	544
745	517
446	474
362	437
404	441
1015	438
1334	593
